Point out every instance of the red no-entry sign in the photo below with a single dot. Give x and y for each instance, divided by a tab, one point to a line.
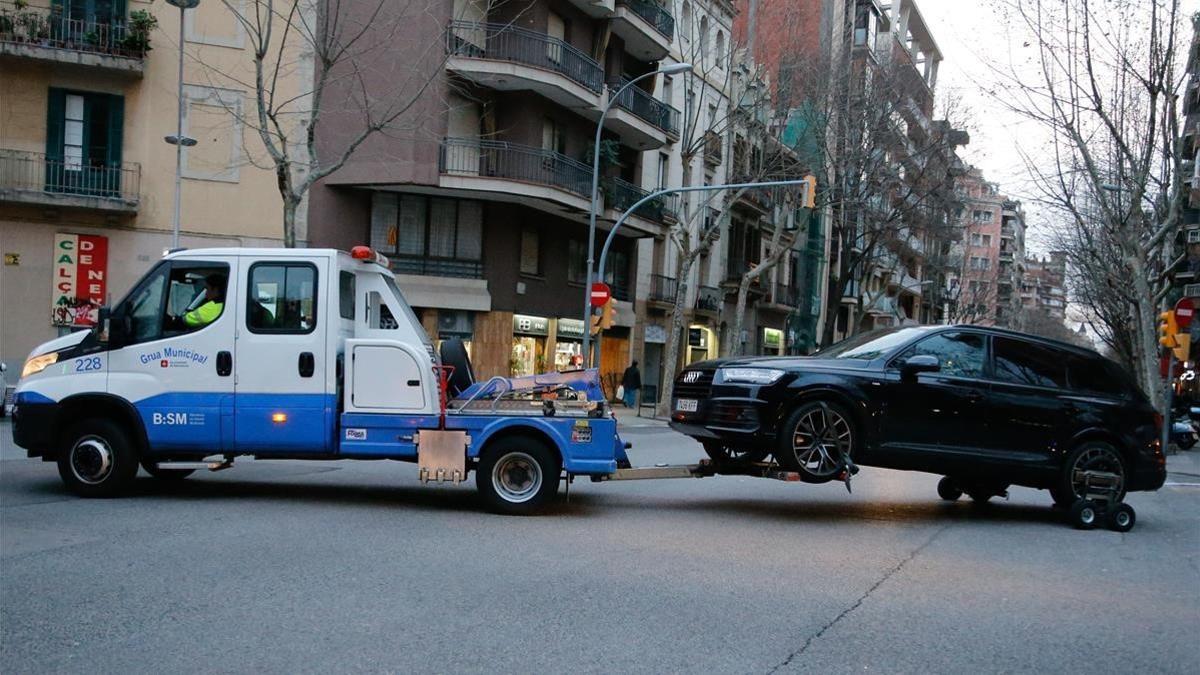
600	294
1184	310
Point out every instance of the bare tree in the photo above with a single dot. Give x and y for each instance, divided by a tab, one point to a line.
315	60
1104	87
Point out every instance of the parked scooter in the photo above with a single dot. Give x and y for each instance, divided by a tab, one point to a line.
1183	432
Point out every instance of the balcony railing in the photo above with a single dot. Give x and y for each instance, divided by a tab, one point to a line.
34	173
663	288
511	161
786	295
505	42
637	101
621	195
46	27
708	299
654	14
437	267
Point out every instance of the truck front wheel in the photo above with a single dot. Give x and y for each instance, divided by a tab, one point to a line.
97	459
517	475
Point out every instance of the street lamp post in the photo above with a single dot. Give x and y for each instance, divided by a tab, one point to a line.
179	140
587	287
694	188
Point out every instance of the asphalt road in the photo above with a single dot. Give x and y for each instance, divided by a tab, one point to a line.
348	566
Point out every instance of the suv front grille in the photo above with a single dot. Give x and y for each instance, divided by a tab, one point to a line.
694	383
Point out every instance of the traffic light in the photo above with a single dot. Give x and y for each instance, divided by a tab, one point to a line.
608	315
1183	347
1168	330
810	192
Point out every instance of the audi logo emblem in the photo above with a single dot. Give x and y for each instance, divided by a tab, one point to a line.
691	377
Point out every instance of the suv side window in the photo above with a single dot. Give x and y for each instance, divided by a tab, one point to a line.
1095	376
1028	363
960	354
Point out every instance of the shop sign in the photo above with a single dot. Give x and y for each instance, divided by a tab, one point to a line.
772	338
80	279
656	334
531	325
570	328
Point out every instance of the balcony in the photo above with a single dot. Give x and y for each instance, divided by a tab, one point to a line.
708	300
663	289
620	195
31	178
436	267
597	9
712	148
513	169
785	296
508	58
48	35
646	27
1006	256
905	283
642	120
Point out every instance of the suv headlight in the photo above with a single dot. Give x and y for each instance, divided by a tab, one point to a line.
747	375
37	364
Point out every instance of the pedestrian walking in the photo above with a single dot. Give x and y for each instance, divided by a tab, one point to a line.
632	382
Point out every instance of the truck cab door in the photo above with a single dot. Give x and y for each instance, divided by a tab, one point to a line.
172	359
284	395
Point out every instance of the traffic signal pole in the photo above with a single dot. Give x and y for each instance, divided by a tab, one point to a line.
1168	397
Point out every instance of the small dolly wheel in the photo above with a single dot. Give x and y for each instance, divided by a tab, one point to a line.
948	490
1084	514
1122	518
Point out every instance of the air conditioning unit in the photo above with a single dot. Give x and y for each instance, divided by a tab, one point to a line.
1191	291
1193	236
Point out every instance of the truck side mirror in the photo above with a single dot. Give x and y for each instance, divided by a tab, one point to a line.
117	324
921	363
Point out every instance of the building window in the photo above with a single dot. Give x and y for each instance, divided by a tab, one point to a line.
530	262
720	48
428	235
553	138
664	167
576	262
705	54
976	239
982	216
987	240
980	263
616	274
84	135
686	21
865	27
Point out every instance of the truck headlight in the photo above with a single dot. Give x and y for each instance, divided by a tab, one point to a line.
748	375
39	363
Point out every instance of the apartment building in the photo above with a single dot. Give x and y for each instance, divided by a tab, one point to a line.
1190	149
1043	286
483	207
87	93
988	261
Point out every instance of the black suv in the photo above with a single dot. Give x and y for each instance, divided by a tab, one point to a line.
985	407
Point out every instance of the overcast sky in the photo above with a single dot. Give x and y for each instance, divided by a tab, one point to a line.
970	37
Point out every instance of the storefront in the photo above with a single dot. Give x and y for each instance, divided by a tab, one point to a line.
529	345
772	341
701	344
568	344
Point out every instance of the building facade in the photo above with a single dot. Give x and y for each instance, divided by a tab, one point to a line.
1043	286
86	181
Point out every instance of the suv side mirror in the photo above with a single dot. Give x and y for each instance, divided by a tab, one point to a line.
921	363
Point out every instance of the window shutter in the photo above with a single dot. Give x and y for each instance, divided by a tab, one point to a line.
56	112
470	231
116	130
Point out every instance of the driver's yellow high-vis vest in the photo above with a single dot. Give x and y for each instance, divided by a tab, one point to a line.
204	314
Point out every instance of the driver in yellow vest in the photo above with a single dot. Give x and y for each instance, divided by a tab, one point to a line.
214	302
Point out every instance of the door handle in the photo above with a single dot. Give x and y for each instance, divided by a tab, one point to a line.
306	364
975	397
224	364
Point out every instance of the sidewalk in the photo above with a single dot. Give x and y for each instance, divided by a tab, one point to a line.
1184	463
627	418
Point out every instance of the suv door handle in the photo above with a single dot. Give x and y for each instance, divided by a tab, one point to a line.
224	364
306	364
974	396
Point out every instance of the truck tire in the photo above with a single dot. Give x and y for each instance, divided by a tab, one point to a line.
151	468
97	459
813	439
517	475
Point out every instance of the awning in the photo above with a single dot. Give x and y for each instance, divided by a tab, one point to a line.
445	292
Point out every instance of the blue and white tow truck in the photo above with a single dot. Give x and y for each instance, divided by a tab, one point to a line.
314	354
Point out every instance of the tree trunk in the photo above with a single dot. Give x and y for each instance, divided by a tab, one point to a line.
739	314
289	223
671	358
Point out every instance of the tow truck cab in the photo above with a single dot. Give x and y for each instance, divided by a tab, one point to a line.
314	354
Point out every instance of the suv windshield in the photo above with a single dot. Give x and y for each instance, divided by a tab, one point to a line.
872	345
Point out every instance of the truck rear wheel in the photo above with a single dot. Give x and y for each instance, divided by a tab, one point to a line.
517	475
97	459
